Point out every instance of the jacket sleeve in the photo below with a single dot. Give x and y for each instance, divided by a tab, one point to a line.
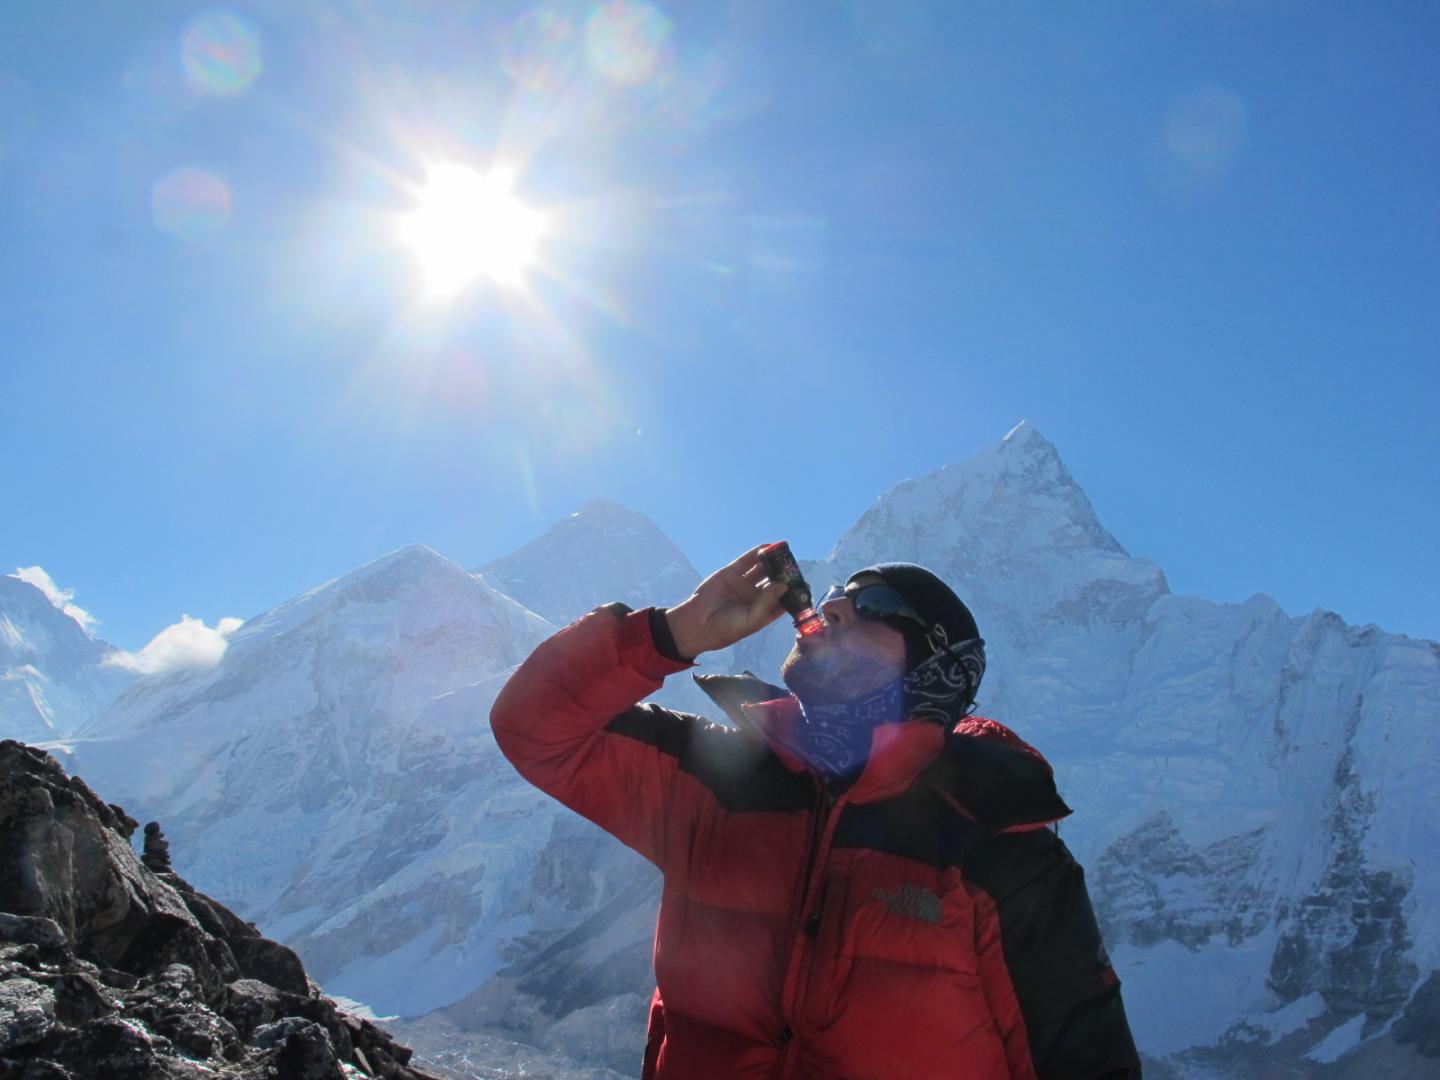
1052	989
568	721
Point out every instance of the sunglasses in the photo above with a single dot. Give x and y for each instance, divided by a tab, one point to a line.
879	603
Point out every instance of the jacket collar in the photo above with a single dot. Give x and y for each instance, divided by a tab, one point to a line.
981	767
899	750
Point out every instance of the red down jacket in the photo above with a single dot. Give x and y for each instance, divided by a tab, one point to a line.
924	923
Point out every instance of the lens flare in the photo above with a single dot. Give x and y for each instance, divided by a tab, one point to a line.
190	204
626	40
540	49
1206	129
220	53
468	224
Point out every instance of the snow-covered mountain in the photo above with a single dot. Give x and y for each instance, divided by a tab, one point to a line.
599	554
53	674
335	774
1252	790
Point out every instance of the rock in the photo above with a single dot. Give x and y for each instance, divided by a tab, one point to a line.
64	856
251	1004
110	1047
121	980
32	930
171	1003
271	962
24	956
324	1013
214	917
27	1013
223	959
123	821
1420	1022
271	1035
169	939
41	1069
113	969
1133	906
198	1034
81	997
308	1055
176	982
381	1063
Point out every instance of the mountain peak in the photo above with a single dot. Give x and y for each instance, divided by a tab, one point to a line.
411	557
394	575
602	509
600	553
1021	430
33	588
1013	506
53	675
1026	437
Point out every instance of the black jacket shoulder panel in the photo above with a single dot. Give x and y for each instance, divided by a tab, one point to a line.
1002	785
918	825
730	692
742	773
1066	987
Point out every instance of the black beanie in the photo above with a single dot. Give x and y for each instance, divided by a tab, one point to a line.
936	603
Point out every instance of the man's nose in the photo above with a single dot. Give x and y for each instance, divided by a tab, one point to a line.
836	611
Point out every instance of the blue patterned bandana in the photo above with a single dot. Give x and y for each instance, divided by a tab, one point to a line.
836	738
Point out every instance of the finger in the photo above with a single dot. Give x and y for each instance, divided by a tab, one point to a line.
767	606
755	573
770	595
747	558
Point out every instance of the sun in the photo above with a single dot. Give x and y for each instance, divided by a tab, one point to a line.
467	224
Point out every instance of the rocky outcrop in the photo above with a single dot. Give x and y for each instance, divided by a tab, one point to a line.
109	968
1419	1025
1349	937
1152	886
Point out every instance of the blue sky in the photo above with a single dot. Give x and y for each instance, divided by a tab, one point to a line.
795	253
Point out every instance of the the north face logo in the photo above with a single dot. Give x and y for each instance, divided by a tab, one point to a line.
911	901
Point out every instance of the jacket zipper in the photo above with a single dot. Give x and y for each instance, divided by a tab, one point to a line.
807	926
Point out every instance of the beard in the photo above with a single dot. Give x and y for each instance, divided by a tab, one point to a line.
830	674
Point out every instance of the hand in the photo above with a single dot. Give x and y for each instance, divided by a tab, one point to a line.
732	603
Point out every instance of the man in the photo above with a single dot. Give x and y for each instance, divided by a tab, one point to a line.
859	880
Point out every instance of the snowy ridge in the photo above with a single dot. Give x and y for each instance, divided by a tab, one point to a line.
53	674
601	553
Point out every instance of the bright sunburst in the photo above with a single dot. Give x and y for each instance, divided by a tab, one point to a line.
467	224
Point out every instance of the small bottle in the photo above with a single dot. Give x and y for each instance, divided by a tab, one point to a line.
780	565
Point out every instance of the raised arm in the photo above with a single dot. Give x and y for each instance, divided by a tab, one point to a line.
568	719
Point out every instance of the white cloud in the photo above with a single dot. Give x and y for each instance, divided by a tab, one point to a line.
188	643
61	598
